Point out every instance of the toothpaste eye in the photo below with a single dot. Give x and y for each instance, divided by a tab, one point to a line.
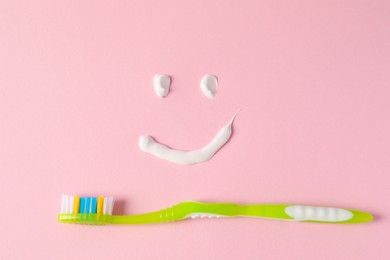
161	84
208	85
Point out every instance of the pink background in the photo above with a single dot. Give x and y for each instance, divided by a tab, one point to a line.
311	79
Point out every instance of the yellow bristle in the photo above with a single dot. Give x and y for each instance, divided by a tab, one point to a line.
76	204
100	203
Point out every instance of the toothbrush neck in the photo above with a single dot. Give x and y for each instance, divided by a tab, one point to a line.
164	215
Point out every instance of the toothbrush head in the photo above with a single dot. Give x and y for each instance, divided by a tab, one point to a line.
86	210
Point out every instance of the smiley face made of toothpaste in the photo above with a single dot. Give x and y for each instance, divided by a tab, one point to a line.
147	144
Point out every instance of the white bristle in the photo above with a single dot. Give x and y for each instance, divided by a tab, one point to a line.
70	203
105	205
66	204
111	205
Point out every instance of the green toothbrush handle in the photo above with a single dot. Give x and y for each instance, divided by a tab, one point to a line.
192	209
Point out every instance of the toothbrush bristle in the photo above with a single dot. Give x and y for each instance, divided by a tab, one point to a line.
86	205
100	203
76	207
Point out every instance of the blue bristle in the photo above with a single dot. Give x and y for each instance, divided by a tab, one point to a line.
82	205
93	205
88	205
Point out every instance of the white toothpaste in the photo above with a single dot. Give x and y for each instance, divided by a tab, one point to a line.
161	83
149	145
208	85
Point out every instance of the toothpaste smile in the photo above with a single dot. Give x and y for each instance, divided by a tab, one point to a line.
149	145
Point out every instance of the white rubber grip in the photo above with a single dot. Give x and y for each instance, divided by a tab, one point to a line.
301	213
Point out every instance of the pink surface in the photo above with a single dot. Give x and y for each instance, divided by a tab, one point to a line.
311	79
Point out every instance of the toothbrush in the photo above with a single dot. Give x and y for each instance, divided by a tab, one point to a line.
98	211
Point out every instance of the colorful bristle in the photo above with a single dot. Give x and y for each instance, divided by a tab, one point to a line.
86	205
93	204
100	205
82	205
76	206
